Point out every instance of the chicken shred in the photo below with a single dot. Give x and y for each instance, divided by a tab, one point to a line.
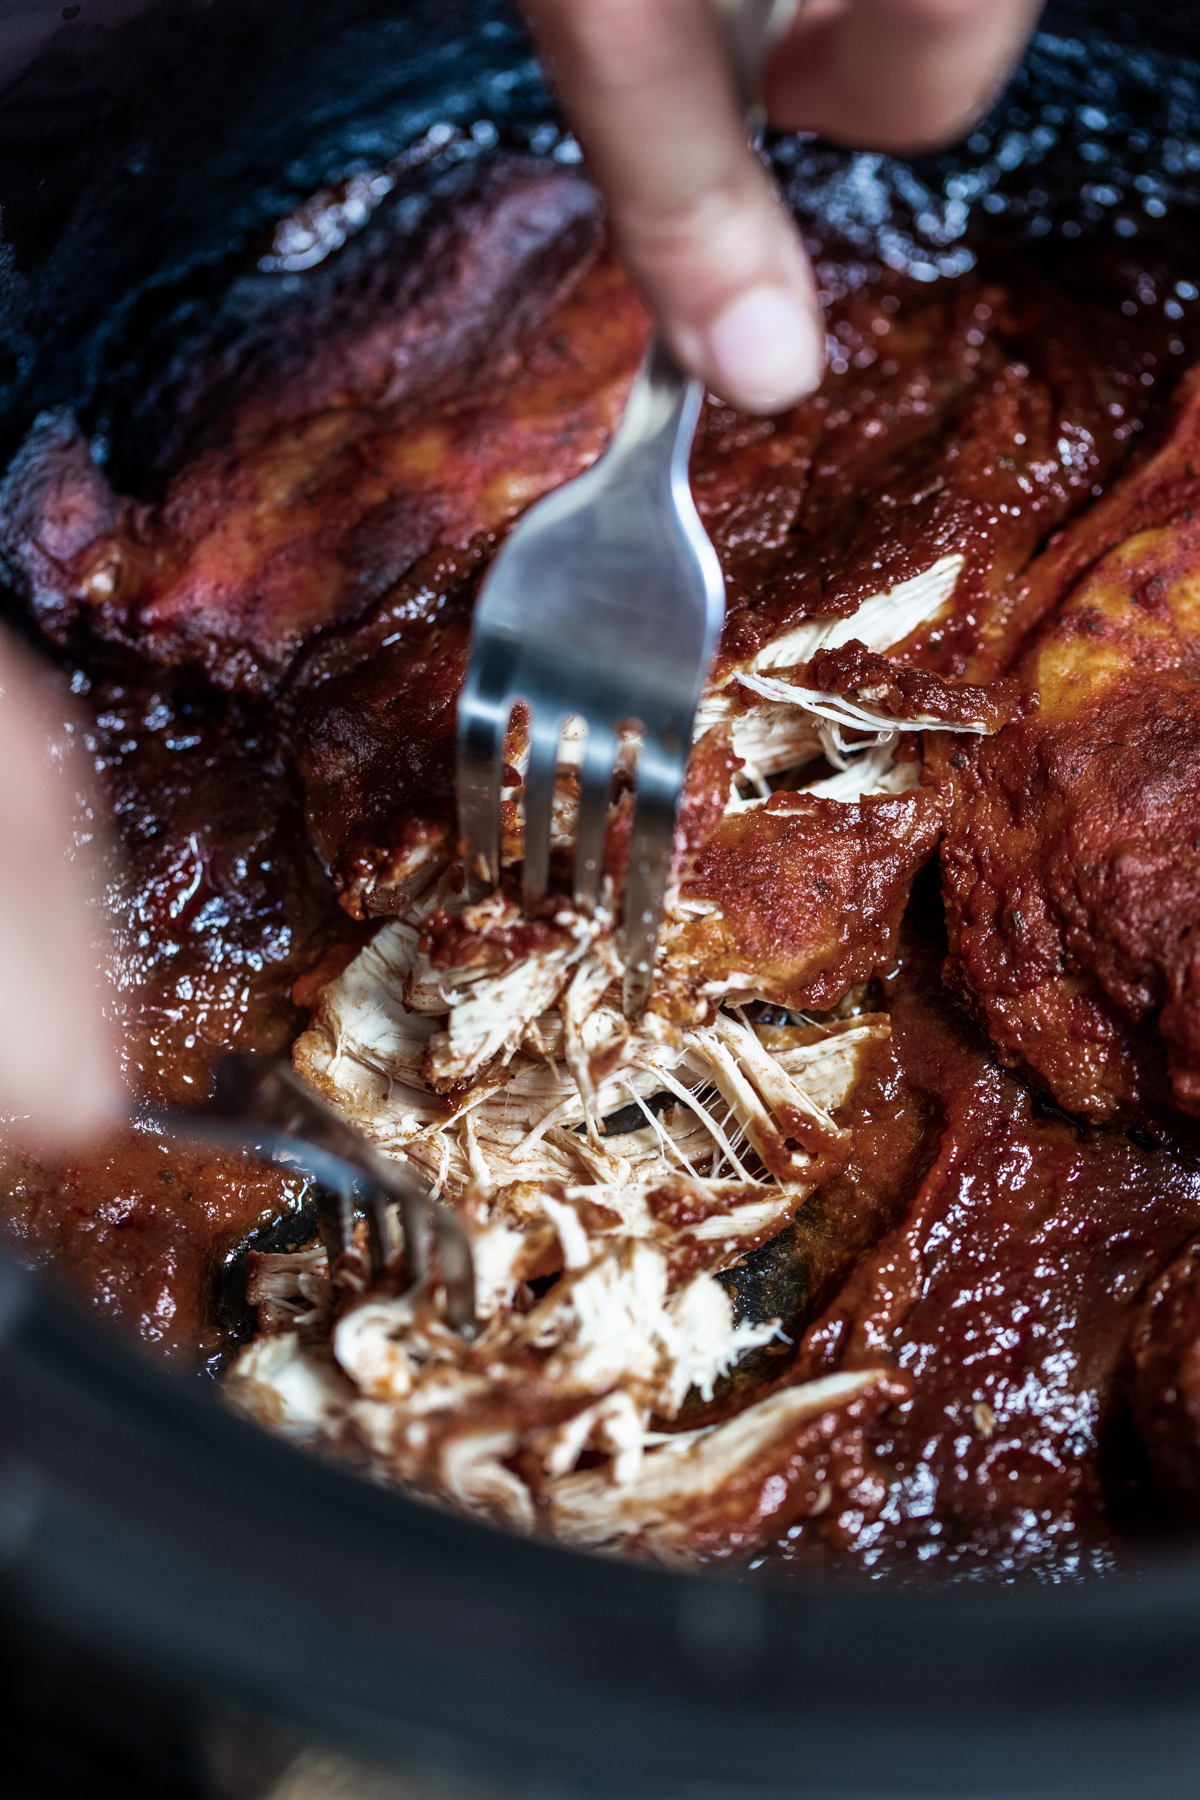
607	1176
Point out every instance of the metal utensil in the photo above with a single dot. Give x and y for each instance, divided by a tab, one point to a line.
605	605
262	1108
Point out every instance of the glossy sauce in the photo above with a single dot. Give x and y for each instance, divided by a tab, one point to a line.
217	903
1005	1291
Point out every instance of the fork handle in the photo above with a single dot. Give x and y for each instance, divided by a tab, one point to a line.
661	411
653	438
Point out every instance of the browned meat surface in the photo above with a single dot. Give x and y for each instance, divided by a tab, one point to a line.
1165	1342
1004	1292
977	422
438	405
810	894
368	461
216	899
901	691
1072	869
1159	487
301	599
375	718
217	904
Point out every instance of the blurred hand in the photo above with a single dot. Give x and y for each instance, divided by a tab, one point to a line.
694	211
58	1066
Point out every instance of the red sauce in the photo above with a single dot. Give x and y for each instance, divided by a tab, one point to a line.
1005	1290
217	904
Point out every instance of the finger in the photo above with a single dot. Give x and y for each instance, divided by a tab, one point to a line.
58	1065
693	210
900	75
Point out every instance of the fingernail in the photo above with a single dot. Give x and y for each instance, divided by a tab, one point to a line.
765	350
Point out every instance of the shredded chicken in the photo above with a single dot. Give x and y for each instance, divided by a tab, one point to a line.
632	1224
606	1175
788	726
726	1484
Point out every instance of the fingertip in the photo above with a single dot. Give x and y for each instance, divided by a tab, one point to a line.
60	1102
78	1123
764	350
100	1106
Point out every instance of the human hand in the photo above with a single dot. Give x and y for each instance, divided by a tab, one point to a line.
694	211
58	1065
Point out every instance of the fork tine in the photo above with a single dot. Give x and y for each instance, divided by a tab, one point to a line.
414	1222
595	789
458	1270
482	722
379	1236
659	781
545	730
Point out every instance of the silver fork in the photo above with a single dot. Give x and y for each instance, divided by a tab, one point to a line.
605	605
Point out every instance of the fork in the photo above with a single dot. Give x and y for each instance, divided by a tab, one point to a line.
262	1108
605	605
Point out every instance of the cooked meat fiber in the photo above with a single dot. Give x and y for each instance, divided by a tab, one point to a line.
634	1223
899	692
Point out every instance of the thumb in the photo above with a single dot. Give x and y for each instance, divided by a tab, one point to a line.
694	212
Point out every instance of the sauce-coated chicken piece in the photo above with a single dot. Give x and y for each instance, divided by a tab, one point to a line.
801	898
434	408
339	484
1005	1291
1072	859
1165	1344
